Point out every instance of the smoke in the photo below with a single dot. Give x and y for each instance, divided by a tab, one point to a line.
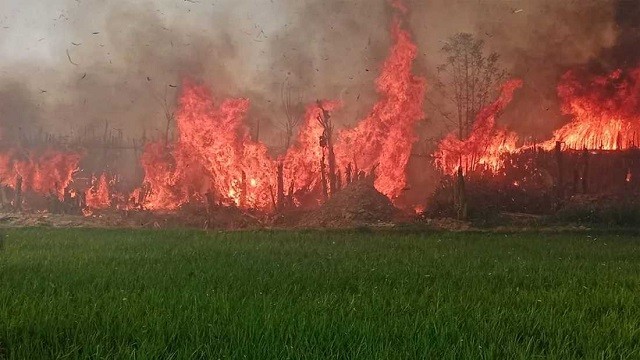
326	50
18	108
537	41
132	65
626	52
119	62
132	56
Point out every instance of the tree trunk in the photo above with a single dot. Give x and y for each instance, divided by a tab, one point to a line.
585	172
349	174
333	186
243	191
560	184
323	178
460	196
280	196
18	195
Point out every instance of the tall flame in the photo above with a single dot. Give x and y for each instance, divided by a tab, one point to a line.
385	138
487	142
239	168
302	159
215	156
43	172
605	111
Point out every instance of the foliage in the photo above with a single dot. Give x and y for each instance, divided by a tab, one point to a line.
114	294
469	78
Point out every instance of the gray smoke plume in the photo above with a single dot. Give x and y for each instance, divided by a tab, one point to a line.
537	41
626	52
68	65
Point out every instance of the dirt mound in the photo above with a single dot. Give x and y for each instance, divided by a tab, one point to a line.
358	204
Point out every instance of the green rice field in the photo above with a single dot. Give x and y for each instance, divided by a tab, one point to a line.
182	294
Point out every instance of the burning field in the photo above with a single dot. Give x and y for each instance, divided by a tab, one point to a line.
213	164
209	166
319	179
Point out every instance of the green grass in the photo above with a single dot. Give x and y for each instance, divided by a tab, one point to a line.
118	294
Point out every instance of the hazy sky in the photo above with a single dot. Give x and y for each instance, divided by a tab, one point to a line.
34	29
40	32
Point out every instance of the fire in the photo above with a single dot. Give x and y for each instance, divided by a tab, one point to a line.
163	188
302	160
605	110
487	142
47	172
213	156
214	160
384	139
218	140
97	197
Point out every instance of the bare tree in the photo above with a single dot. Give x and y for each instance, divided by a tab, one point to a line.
469	78
168	111
326	142
290	124
290	107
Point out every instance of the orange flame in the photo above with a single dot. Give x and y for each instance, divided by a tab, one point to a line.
385	138
605	111
487	142
97	197
301	162
215	156
47	172
605	114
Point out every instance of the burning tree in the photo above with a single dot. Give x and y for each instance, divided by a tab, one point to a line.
471	78
326	142
291	123
485	144
290	107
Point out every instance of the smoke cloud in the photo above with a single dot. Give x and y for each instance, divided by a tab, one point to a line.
537	41
76	64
